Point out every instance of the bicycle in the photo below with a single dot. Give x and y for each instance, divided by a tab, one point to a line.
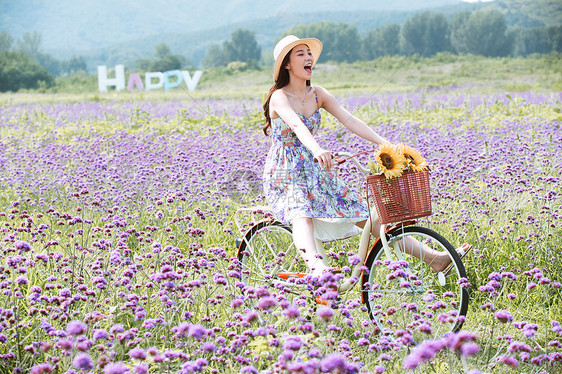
397	287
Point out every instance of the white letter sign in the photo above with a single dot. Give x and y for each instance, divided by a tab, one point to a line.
148	85
191	82
118	81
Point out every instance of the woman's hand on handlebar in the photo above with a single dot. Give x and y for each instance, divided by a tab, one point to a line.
325	158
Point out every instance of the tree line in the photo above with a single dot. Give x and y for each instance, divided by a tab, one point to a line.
24	65
425	34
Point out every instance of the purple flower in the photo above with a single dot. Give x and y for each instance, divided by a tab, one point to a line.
83	361
266	303
100	334
470	348
141	368
41	369
116	368
556	327
530	330
22	245
249	369
196	331
509	361
291	312
422	353
252	315
333	362
455	340
117	328
76	327
64	344
385	357
292	343
310	366
515	347
504	316
193	366
325	313
137	353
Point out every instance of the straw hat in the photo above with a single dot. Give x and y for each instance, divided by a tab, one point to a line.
289	42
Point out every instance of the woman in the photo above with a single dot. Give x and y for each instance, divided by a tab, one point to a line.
299	183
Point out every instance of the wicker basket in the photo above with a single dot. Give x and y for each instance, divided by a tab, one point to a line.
401	198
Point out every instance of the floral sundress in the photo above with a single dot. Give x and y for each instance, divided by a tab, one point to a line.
295	186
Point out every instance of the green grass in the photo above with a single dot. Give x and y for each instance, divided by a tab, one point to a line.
391	73
33	131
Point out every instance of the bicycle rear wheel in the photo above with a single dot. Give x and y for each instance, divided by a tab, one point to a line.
270	259
406	292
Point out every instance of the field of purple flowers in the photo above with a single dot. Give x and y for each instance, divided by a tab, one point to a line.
117	238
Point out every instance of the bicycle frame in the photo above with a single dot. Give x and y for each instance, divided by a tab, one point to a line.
363	249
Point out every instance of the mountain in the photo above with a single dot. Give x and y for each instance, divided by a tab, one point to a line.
194	45
83	25
121	31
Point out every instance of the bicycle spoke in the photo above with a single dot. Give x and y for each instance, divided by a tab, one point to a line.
407	285
269	251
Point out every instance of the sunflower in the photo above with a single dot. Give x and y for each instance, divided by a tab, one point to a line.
413	159
388	161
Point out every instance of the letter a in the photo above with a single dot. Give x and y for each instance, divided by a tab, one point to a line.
135	81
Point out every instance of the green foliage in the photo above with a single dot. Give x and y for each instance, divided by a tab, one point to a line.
242	47
6	41
387	73
74	65
18	71
537	40
214	57
481	33
529	41
383	41
76	83
163	60
30	44
555	38
425	34
530	246
341	41
529	13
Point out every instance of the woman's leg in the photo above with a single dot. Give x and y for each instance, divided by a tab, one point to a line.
437	260
303	236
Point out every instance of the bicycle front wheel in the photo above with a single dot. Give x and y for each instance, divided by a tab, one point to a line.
403	291
270	259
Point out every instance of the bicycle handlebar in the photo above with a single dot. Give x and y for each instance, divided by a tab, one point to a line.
349	156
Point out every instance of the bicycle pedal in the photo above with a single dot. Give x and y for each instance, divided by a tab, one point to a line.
332	304
291	275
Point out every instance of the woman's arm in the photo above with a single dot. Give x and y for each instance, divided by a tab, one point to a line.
280	105
354	124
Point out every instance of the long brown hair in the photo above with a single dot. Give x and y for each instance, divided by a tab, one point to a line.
282	80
